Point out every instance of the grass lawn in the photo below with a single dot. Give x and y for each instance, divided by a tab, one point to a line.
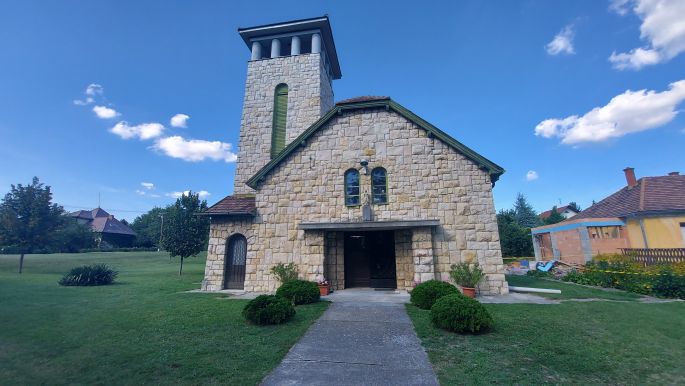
569	290
570	343
143	330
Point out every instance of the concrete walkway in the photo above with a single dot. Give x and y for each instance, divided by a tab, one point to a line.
357	343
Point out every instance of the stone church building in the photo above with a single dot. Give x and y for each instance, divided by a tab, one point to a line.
362	192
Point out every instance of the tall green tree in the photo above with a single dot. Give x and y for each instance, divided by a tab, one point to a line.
515	240
148	227
554	217
28	218
524	213
185	232
71	237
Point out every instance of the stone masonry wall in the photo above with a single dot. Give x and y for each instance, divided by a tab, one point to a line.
310	95
426	179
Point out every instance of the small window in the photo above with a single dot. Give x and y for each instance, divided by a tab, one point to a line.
352	187
379	186
280	119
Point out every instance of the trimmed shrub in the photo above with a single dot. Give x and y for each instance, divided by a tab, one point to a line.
299	291
285	272
89	275
425	294
459	313
268	309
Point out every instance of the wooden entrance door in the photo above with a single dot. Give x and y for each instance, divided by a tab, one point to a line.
370	259
236	256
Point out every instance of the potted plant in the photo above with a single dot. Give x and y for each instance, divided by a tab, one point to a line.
324	287
467	276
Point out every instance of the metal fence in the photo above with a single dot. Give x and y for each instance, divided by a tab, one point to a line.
653	256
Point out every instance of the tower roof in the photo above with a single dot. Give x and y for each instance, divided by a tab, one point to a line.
320	24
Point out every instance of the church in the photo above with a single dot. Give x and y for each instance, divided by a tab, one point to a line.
361	192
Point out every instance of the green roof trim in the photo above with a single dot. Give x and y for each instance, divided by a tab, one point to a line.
485	164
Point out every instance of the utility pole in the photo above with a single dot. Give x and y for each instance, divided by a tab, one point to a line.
161	233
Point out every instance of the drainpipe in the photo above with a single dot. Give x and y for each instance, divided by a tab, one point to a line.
644	233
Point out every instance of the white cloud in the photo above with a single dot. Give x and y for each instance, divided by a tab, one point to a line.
140	192
201	193
532	175
195	149
92	90
180	120
630	112
662	28
562	42
147	185
105	112
142	131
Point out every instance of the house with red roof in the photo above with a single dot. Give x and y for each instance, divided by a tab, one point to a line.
108	230
565	211
647	213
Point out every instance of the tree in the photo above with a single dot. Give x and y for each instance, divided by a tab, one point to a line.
28	219
148	227
71	236
515	240
554	217
524	213
186	232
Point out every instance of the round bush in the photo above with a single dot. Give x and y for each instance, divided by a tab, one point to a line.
299	291
89	275
268	309
425	294
459	313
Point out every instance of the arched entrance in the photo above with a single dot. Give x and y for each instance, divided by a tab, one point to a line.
236	255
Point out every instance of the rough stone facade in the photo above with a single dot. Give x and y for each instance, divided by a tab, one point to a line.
427	179
310	95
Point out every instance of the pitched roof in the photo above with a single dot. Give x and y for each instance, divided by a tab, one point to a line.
102	222
237	205
376	102
651	196
548	213
110	225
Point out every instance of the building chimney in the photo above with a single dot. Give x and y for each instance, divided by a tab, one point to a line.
674	173
630	176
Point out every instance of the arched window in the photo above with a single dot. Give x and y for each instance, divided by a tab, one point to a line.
352	187
379	186
280	119
234	266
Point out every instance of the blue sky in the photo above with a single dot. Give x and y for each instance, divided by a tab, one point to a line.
515	80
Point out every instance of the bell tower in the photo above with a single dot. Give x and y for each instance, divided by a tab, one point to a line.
288	87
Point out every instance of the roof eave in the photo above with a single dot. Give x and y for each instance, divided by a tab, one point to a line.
494	170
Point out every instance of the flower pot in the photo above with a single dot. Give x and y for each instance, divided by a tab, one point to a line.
470	292
323	290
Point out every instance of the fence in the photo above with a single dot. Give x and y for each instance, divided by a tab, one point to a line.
653	256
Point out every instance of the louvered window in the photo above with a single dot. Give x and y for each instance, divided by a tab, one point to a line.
280	118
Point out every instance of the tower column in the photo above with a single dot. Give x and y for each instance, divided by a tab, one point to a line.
256	51
275	48
295	46
316	43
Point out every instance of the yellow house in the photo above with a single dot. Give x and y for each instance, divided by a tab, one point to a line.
646	213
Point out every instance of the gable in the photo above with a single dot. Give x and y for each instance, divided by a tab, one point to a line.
483	163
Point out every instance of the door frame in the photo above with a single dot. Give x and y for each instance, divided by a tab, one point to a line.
229	273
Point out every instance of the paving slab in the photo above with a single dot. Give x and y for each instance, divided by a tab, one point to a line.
355	343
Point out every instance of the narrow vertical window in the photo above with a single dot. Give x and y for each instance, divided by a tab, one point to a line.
280	118
352	187
379	186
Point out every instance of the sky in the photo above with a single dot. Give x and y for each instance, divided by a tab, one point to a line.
131	103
